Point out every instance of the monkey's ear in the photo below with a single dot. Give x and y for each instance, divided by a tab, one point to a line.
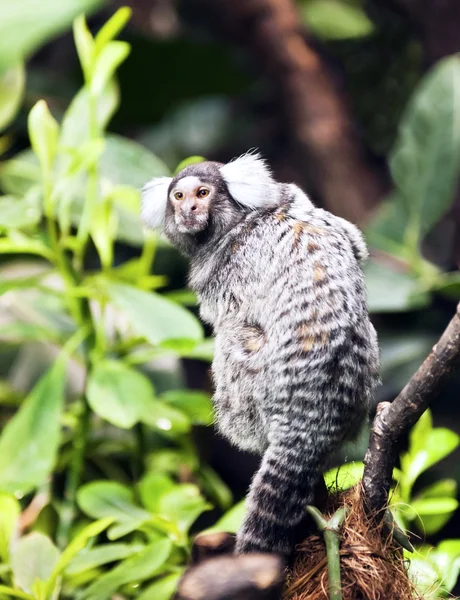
153	201
250	182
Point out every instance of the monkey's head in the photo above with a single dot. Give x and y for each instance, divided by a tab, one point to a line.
204	201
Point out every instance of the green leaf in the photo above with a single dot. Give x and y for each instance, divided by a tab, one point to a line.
28	24
109	59
215	488
126	162
444	488
202	351
387	229
172	461
100	499
446	559
392	291
425	575
161	589
154	317
30	440
44	134
12	86
448	285
185	297
135	568
85	45
84	157
182	505
426	159
75	125
344	477
9	591
440	442
10	510
152	487
19	175
19	213
75	546
420	432
165	418
232	520
197	405
434	506
33	557
21	244
191	160
118	393
103	231
101	555
335	20
112	27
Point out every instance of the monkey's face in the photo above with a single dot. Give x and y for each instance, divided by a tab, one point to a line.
191	199
204	201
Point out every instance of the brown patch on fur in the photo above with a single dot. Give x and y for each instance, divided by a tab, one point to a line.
298	227
308	337
303	330
253	338
235	247
319	273
372	564
281	213
312	246
308	343
315	230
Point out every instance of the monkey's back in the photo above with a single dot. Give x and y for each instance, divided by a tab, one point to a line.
287	301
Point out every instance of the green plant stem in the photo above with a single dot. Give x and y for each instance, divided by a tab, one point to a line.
148	254
4	589
59	254
80	443
331	533
92	189
140	452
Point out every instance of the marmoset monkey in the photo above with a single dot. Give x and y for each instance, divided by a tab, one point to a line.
296	356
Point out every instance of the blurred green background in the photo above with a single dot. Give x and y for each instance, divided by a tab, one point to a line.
108	461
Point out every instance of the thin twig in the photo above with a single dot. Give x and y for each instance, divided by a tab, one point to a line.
393	420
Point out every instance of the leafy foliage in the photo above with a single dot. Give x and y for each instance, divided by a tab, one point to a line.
78	186
101	483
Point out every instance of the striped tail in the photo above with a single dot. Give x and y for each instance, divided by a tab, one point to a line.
281	489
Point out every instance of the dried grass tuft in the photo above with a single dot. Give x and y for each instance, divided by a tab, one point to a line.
372	566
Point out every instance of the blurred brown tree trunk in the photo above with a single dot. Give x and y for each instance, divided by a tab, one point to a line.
339	171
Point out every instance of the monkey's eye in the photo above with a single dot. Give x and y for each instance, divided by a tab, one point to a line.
203	192
178	195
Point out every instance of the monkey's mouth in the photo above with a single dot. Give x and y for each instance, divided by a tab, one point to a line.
193	224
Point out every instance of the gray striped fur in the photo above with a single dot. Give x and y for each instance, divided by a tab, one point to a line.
296	356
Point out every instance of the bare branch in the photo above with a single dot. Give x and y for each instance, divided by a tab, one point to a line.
211	545
244	577
393	419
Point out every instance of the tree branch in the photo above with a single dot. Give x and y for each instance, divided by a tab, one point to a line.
393	419
244	577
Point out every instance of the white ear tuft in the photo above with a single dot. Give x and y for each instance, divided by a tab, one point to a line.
153	201
250	182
